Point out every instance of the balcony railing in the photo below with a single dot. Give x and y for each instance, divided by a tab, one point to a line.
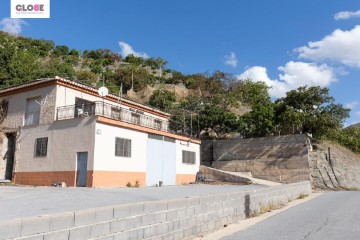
114	112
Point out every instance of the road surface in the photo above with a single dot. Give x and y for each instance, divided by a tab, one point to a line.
332	216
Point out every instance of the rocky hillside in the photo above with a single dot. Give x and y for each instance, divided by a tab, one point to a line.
357	125
336	169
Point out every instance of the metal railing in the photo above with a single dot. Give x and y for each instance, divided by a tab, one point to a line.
114	112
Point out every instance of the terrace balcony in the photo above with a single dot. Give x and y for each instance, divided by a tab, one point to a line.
114	112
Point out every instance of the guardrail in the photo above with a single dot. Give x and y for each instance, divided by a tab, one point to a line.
131	115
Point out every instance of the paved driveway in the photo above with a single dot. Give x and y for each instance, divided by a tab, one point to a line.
18	202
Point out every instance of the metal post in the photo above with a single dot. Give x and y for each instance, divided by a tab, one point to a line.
190	123
103	107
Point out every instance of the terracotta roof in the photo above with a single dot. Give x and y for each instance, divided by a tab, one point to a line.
79	85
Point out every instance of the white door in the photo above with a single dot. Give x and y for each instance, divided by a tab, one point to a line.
161	162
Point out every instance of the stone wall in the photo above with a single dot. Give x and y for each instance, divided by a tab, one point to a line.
183	218
280	159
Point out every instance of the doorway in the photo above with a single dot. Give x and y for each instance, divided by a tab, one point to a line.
81	169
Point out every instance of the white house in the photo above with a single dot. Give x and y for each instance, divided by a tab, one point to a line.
56	130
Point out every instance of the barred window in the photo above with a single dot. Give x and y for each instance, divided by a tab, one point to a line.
155	136
188	157
122	147
169	139
41	147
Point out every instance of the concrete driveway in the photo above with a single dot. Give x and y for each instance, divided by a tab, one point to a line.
16	202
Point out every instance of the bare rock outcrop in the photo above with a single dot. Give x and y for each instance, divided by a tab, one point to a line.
334	167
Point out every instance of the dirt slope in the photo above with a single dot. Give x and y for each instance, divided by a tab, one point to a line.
339	171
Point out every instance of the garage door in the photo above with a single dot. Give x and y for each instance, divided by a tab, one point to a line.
161	160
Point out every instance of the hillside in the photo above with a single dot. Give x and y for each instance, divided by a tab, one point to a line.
357	125
340	170
207	105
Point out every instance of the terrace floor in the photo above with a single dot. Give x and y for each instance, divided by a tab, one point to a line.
17	202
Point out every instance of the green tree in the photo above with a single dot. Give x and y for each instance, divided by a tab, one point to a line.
137	61
61	50
259	122
348	137
86	76
131	75
162	99
217	118
312	110
56	67
252	93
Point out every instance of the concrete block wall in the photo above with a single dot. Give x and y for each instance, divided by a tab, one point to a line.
184	218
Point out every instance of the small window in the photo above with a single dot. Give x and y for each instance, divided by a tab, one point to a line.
41	147
122	147
188	157
155	136
169	139
135	118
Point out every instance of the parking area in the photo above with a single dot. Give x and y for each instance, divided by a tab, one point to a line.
16	202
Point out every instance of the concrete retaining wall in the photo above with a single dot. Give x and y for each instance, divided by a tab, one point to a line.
215	174
183	218
281	159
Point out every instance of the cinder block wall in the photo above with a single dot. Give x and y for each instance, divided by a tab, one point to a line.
184	218
280	159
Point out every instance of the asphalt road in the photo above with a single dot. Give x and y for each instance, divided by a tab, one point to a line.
332	216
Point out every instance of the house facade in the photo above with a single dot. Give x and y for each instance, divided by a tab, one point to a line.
56	130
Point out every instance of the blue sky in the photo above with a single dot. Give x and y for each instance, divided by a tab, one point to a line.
261	39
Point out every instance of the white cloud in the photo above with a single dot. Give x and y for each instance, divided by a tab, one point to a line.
126	49
352	104
346	15
294	75
231	60
341	46
12	25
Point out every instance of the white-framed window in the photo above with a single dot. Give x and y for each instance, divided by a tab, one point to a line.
41	147
122	147
188	157
33	108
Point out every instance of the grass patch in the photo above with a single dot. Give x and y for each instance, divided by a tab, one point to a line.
350	188
302	196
